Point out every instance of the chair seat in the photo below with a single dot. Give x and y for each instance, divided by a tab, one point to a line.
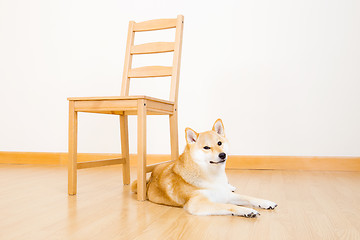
122	105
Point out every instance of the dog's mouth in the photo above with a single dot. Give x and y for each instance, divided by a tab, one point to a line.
221	161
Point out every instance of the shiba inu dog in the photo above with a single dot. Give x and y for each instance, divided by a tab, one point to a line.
197	180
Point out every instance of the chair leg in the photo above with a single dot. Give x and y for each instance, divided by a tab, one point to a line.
174	138
141	149
72	159
125	148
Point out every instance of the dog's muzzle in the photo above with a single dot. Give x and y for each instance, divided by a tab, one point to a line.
222	156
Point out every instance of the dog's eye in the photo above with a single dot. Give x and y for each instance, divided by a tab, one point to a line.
207	147
219	143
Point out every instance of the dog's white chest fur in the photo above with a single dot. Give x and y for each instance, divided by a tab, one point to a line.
217	190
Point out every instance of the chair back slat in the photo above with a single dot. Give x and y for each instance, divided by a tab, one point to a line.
153	47
150	71
157	24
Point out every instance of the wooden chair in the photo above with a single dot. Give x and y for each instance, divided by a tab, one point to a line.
125	105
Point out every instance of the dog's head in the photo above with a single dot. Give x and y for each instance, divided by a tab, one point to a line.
209	148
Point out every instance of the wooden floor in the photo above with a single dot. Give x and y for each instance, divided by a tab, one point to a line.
312	205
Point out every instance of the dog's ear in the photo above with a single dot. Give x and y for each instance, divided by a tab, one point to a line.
191	135
219	127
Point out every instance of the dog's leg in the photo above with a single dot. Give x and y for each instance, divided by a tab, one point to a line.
247	200
202	206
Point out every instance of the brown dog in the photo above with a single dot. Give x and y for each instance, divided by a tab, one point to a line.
197	180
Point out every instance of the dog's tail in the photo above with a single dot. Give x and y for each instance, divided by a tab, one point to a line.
134	185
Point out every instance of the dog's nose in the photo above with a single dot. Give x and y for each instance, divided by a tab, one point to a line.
222	155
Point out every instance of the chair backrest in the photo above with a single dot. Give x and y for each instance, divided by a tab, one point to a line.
154	47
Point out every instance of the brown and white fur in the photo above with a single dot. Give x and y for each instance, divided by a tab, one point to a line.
197	180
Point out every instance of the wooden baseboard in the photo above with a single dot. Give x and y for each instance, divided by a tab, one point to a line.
306	163
234	161
61	158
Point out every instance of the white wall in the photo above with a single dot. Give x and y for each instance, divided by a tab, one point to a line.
283	75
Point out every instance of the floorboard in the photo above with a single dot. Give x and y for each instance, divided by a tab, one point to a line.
312	205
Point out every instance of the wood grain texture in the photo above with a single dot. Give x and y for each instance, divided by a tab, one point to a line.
122	105
311	163
52	158
158	106
156	24
105	106
125	84
124	136
312	205
234	161
72	149
100	163
133	97
150	71
153	47
175	78
141	150
174	135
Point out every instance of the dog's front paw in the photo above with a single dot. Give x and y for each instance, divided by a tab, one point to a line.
245	212
251	215
266	204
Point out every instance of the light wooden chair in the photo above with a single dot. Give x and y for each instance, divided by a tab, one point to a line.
125	105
